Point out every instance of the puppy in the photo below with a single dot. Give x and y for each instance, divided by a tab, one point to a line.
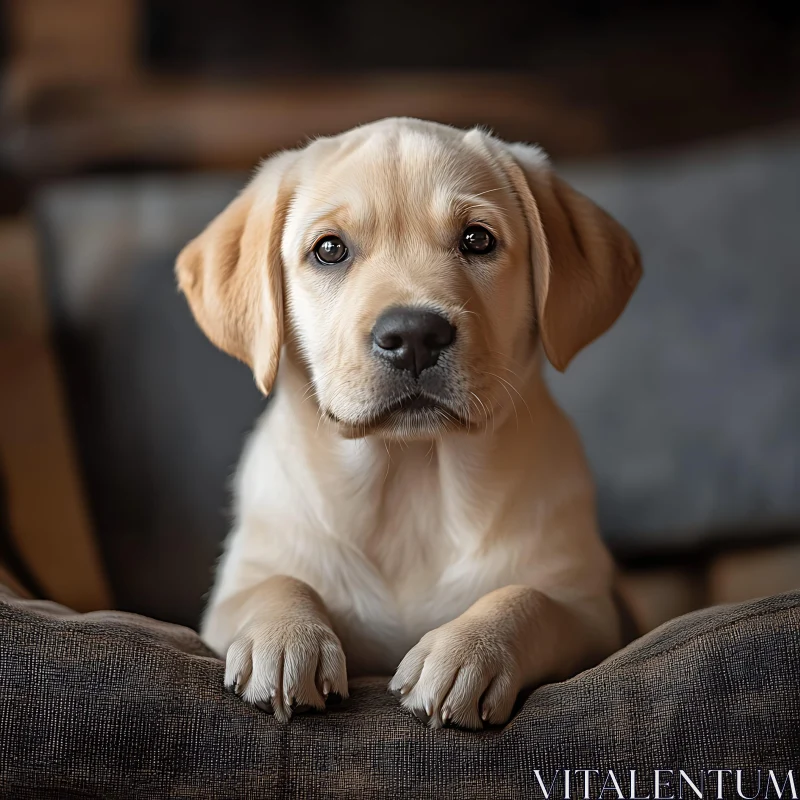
412	501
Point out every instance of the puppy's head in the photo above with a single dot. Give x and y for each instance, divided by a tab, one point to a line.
411	268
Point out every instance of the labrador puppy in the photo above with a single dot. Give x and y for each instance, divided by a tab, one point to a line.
412	501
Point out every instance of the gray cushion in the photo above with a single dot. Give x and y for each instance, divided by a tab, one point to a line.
161	415
688	407
115	705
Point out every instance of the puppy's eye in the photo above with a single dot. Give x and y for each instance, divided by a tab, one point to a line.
330	250
476	239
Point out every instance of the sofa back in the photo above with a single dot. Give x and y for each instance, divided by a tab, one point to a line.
688	407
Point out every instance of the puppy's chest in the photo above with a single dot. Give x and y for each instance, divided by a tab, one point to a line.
426	559
412	541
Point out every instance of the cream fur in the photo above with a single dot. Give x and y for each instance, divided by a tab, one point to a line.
462	555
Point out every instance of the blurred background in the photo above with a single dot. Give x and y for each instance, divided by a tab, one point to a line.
128	124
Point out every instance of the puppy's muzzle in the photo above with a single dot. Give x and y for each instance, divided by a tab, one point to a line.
411	339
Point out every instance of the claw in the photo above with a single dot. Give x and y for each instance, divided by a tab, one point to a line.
421	715
265	706
334	699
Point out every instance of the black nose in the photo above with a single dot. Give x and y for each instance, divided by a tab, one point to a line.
411	338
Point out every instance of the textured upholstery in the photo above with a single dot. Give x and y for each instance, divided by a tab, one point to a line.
115	705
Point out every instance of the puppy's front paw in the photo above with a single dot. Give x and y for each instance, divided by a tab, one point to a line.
459	674
286	665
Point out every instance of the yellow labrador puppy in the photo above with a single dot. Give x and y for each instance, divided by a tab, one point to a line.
412	501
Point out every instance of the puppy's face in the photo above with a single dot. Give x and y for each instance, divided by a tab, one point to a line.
408	287
408	265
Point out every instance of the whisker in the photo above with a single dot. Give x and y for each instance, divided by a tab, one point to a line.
508	383
430	453
388	461
506	358
510	397
483	406
309	392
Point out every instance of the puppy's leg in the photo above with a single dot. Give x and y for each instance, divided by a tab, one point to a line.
469	671
285	656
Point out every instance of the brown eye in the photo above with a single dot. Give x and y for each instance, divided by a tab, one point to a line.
476	239
330	250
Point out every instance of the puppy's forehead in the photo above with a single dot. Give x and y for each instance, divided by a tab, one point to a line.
385	168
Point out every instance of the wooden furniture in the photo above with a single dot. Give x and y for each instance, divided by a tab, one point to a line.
78	98
47	510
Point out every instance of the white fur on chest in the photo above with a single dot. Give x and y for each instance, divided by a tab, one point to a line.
398	540
391	540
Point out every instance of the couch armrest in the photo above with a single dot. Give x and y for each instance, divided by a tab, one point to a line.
112	704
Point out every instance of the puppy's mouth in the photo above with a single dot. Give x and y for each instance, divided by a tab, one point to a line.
411	415
415	402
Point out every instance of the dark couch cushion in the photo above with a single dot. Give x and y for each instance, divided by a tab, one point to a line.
115	705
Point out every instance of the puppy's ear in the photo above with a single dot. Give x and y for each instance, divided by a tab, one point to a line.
585	263
232	273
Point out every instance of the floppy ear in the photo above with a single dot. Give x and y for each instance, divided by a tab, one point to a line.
585	263
232	274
